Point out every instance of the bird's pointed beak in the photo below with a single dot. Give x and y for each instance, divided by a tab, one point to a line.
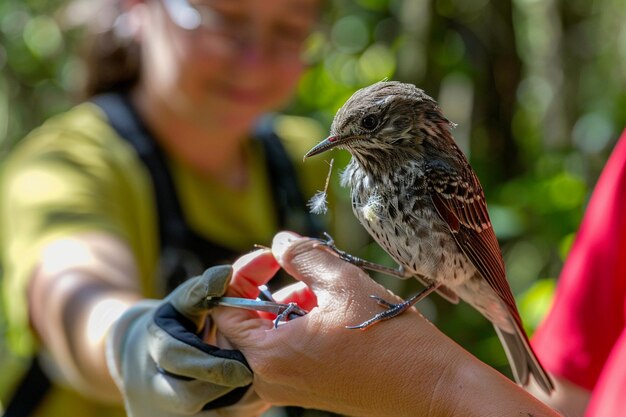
328	143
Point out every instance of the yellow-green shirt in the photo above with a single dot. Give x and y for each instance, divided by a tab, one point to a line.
75	174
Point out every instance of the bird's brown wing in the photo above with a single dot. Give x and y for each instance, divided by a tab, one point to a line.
460	202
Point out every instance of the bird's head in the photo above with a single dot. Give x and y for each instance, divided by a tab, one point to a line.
384	118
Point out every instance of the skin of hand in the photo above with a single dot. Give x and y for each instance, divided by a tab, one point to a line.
400	367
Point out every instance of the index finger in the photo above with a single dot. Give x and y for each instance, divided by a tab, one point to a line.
251	270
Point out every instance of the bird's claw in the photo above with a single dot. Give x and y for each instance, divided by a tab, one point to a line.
392	311
329	243
382	302
292	311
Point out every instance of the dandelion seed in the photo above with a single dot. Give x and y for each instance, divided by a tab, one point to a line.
371	209
318	204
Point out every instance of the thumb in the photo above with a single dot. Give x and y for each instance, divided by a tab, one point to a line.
307	260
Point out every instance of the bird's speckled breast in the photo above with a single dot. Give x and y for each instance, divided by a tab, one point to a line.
399	214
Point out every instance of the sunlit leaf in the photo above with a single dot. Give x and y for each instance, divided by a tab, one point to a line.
43	36
535	303
350	34
376	63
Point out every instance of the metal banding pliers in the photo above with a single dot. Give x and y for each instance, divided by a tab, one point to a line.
265	302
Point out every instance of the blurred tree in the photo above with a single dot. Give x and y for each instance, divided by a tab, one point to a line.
38	66
37	74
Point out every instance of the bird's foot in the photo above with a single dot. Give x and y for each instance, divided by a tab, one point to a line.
292	311
392	311
329	243
382	302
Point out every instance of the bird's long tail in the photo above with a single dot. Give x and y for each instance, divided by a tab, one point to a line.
523	360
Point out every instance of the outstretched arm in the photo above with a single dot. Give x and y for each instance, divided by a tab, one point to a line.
106	340
81	285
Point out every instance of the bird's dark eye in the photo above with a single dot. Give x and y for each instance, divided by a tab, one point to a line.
369	122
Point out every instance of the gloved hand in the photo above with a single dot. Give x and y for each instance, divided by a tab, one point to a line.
164	368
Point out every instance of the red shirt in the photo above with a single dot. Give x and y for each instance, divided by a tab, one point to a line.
583	339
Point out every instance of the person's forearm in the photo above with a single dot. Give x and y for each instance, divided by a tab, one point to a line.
472	388
445	380
73	302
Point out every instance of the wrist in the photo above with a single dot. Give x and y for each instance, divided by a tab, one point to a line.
473	389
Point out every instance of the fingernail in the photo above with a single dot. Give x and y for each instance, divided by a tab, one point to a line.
282	241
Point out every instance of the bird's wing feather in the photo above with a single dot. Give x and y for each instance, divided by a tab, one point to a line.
461	205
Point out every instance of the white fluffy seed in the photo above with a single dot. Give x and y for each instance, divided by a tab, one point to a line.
318	204
371	209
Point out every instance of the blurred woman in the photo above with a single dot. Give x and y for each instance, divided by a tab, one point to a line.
163	172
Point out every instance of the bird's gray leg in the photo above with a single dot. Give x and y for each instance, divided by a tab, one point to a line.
398	272
394	310
292	311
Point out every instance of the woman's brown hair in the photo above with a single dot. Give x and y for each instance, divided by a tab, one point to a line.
110	55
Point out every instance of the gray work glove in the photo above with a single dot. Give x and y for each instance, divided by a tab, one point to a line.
162	366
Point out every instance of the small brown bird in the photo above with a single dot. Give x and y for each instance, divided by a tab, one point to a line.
418	197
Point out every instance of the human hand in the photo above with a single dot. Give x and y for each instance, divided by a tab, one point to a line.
314	361
401	367
161	362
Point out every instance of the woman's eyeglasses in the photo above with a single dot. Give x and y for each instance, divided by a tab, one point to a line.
286	39
186	16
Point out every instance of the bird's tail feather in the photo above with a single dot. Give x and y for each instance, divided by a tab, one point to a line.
523	360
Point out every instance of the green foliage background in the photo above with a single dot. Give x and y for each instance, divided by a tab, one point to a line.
537	87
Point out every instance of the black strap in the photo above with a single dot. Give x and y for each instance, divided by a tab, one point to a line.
29	393
123	117
185	253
